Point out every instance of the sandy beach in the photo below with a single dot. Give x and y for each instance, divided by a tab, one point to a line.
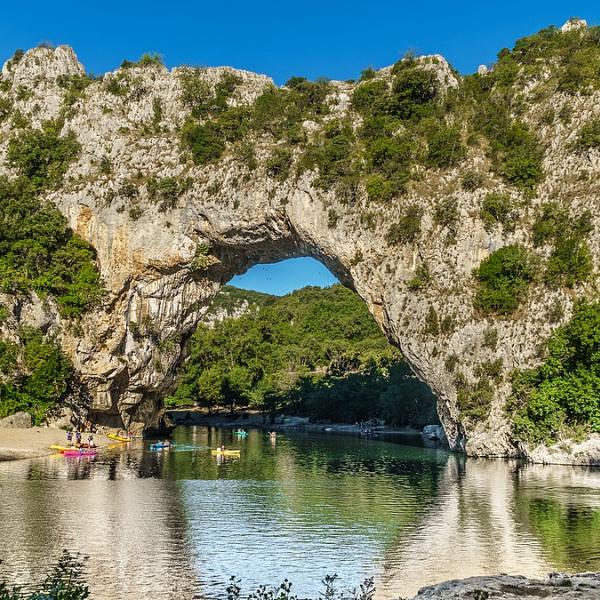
16	444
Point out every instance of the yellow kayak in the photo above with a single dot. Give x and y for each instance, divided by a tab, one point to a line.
117	438
60	448
225	452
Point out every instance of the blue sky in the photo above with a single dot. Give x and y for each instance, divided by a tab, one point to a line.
336	39
286	276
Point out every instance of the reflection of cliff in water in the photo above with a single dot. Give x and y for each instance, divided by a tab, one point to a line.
133	531
491	517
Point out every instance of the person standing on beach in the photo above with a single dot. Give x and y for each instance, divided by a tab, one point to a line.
70	438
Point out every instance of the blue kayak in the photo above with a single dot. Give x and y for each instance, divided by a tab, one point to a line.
241	433
159	446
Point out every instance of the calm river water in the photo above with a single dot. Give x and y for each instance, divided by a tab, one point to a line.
177	524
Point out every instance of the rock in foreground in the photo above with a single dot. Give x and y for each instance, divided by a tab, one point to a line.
583	586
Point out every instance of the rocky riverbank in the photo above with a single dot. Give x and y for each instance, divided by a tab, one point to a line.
583	586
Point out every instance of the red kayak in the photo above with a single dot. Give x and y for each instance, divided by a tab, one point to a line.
82	452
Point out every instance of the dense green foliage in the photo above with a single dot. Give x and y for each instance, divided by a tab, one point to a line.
316	352
503	279
37	250
570	261
42	155
214	121
33	375
561	398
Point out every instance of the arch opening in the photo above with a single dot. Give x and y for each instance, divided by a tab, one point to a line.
287	340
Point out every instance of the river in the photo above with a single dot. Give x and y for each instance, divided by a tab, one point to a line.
177	524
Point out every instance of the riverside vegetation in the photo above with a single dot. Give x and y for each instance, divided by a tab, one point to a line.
416	122
315	352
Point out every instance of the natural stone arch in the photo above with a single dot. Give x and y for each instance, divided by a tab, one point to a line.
162	267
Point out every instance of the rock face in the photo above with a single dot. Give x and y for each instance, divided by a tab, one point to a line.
20	420
585	586
161	266
434	433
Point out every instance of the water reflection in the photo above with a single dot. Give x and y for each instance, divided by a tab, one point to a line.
177	524
134	534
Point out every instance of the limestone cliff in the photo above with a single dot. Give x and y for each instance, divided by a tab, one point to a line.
163	256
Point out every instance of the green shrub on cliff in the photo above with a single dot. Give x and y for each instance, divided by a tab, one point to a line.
515	151
198	95
415	90
34	375
332	155
444	147
6	106
407	229
503	279
589	136
43	155
474	400
570	261
205	142
279	163
561	398
498	208
37	250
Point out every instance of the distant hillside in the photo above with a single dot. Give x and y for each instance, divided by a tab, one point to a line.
316	352
233	302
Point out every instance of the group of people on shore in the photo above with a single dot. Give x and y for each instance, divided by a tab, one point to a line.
74	438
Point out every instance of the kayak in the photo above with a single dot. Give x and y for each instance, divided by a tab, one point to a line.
241	433
117	438
225	452
159	446
60	448
75	452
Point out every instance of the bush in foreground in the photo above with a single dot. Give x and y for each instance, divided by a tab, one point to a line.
64	582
